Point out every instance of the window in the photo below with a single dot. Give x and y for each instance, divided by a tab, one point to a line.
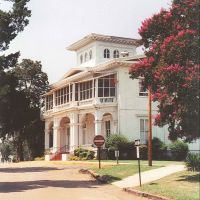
62	96
106	53
143	131
106	86
51	138
142	91
86	57
107	124
84	90
71	90
116	54
49	102
81	59
90	54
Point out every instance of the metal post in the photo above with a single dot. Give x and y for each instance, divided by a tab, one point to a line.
99	157
139	171
149	129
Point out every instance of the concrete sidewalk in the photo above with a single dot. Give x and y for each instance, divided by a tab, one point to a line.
149	176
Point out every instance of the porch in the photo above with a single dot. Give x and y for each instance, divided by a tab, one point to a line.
65	133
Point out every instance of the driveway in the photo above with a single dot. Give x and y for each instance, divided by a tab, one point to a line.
46	180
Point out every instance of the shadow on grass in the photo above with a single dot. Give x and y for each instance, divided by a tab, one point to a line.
113	178
153	183
27	169
6	187
190	178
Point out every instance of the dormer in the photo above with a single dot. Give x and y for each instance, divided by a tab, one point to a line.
95	48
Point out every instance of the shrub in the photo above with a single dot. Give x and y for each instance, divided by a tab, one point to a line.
178	150
39	158
143	151
76	158
116	141
84	154
193	162
159	149
121	143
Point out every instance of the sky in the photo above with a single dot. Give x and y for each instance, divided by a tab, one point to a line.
55	24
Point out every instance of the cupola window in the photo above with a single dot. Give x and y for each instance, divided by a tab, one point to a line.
106	53
116	54
90	54
86	57
81	59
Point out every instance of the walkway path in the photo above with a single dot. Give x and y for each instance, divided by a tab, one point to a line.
149	176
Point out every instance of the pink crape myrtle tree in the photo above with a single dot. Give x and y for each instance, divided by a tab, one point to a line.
171	67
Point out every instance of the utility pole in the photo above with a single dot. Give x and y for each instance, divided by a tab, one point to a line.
149	128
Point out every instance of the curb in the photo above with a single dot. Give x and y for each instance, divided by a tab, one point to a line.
144	194
101	179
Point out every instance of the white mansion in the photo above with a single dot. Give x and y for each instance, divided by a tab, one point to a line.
97	96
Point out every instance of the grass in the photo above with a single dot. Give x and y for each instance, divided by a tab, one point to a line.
179	186
118	172
135	162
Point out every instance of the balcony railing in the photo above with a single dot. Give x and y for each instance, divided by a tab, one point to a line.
87	102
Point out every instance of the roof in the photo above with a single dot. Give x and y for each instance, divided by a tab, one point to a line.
75	74
105	38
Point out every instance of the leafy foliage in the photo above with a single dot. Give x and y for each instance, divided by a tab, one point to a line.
193	162
159	149
178	150
116	141
84	154
171	67
21	85
6	149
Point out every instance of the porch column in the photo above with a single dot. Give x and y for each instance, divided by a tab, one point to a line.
46	138
98	122
56	138
73	131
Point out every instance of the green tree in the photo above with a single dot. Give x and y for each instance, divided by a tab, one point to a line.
11	23
171	67
33	82
5	150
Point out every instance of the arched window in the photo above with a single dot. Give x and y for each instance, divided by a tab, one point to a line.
86	57
106	53
90	54
81	59
116	54
51	137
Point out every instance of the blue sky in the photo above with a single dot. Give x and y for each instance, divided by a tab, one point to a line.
54	25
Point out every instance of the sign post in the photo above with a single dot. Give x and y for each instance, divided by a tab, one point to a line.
99	142
137	144
117	155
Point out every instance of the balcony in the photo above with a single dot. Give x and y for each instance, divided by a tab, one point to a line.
100	101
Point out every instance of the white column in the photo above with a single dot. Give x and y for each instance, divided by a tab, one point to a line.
56	139
96	88
56	134
73	131
46	138
98	122
46	135
54	99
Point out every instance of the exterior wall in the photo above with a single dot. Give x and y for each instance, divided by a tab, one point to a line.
98	52
82	51
100	46
132	108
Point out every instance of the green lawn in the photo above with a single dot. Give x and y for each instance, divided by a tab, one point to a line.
118	172
179	186
135	162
